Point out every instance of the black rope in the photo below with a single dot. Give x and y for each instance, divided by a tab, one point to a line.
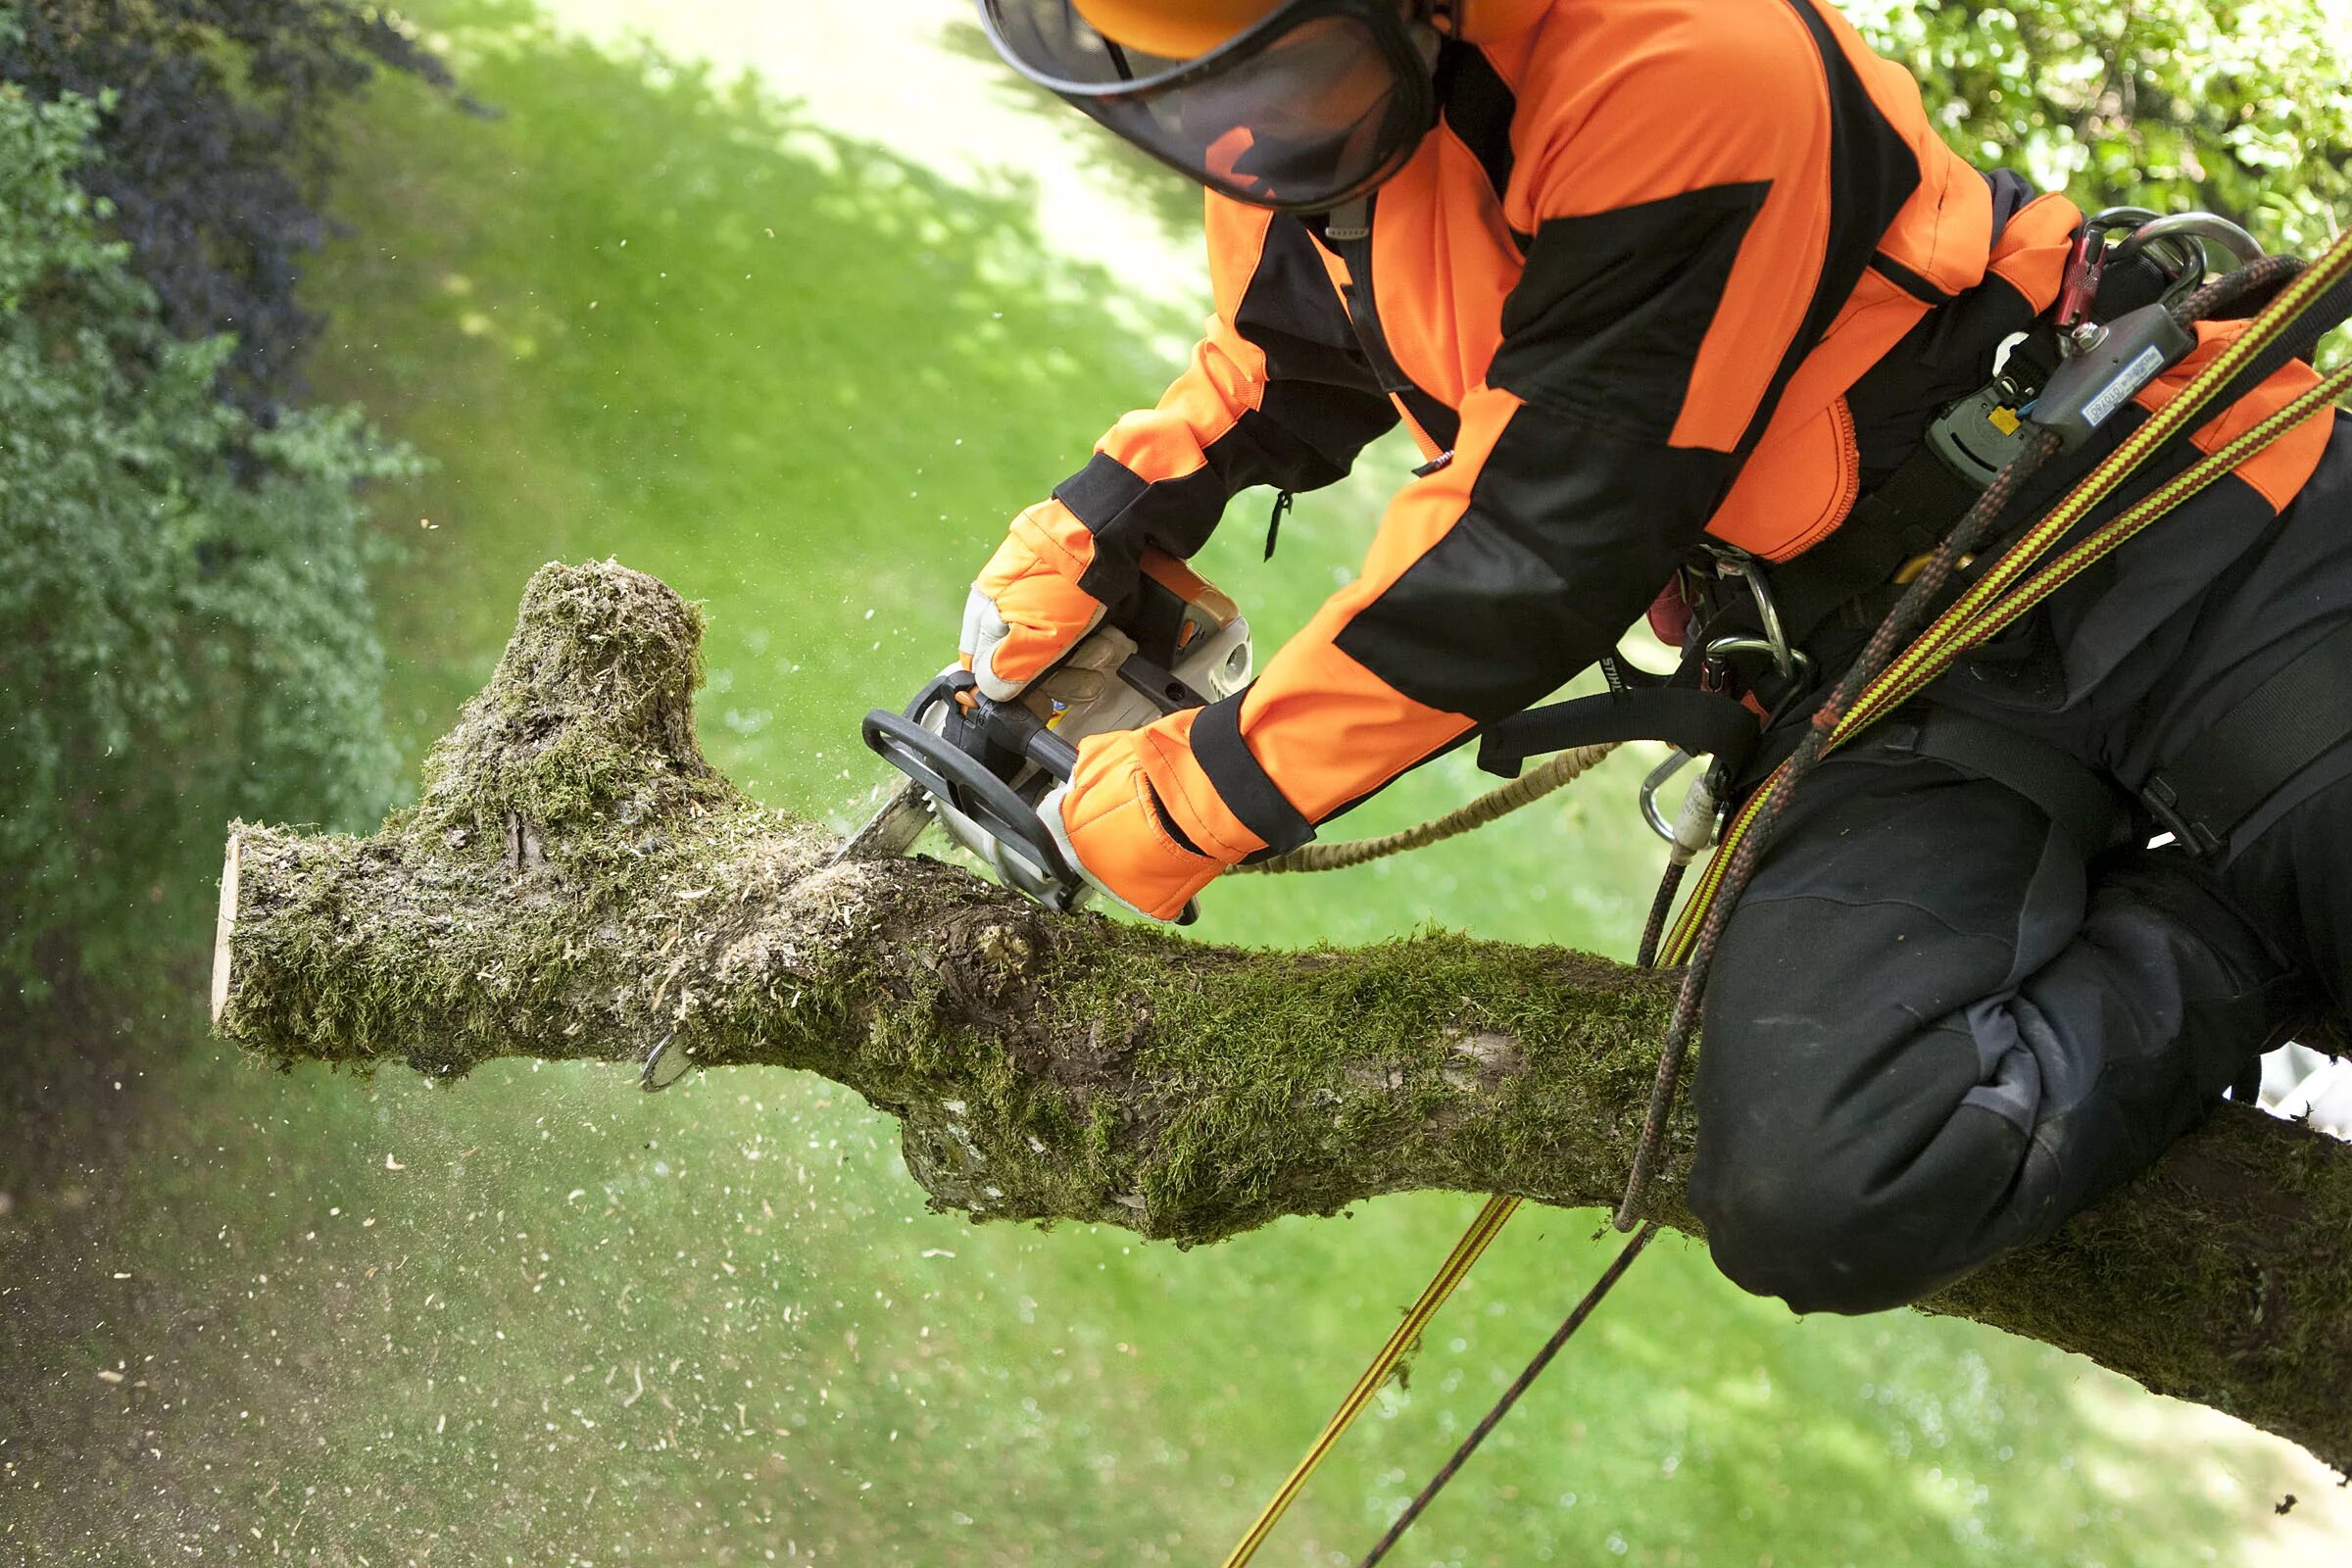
1653	930
1511	1395
1893	634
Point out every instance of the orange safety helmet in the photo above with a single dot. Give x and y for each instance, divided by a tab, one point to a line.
1174	29
1179	29
1295	105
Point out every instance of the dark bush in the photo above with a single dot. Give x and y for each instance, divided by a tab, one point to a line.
215	149
184	625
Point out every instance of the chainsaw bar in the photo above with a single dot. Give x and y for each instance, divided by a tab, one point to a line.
892	831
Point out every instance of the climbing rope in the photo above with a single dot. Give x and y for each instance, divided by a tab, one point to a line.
1511	1395
1880	650
1899	661
1482	1231
1525	790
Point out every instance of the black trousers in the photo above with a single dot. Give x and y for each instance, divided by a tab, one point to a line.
1939	1025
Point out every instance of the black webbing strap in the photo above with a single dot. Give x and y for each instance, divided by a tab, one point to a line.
2295	341
1699	723
2090	809
1906	515
2282	727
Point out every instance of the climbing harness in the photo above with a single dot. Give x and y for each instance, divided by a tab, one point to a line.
2042	406
2309	302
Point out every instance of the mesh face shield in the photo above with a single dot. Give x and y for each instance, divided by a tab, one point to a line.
1302	112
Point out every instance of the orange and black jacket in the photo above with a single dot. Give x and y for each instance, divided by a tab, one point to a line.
1664	268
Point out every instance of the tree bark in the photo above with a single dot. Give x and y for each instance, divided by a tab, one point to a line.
577	882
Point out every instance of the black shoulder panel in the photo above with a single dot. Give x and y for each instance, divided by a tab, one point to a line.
1320	386
1478	106
1571	529
1606	322
1873	172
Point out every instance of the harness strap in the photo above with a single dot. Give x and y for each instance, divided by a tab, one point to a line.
2067	789
1699	723
1905	517
2284	725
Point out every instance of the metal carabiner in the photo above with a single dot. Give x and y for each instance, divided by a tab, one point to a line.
2087	262
1676	761
1799	666
1700	821
2179	242
1775	640
2183	229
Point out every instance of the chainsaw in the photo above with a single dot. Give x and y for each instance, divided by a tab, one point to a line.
979	768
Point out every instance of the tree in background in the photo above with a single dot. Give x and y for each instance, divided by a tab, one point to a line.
2239	107
216	146
184	625
186	630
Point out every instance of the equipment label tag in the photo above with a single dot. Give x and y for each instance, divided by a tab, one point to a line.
2134	376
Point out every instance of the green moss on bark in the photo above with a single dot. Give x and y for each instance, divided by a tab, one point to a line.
577	883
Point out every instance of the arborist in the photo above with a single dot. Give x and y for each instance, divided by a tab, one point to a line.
1690	311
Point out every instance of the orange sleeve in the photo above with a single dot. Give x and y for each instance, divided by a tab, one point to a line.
1710	180
1276	392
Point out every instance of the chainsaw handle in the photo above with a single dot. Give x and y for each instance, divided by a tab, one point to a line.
1024	733
957	780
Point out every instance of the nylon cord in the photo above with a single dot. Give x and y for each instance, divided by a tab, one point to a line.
1511	1395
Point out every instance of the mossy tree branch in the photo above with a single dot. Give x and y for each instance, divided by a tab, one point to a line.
577	882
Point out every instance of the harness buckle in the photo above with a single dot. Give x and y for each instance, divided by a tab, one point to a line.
2163	802
1982	434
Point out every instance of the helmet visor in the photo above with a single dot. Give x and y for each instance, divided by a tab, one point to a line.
1302	112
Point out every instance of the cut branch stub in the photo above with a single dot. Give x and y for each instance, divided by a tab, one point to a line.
587	721
577	883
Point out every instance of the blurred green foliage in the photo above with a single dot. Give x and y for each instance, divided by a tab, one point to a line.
2239	107
184	626
215	145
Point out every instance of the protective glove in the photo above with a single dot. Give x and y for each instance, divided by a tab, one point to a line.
1109	824
1081	679
1025	610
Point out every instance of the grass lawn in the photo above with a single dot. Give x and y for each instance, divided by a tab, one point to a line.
537	1318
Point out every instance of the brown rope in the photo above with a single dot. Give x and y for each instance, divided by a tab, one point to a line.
1902	622
1523	791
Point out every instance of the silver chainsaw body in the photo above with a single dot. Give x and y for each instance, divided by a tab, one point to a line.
1215	663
